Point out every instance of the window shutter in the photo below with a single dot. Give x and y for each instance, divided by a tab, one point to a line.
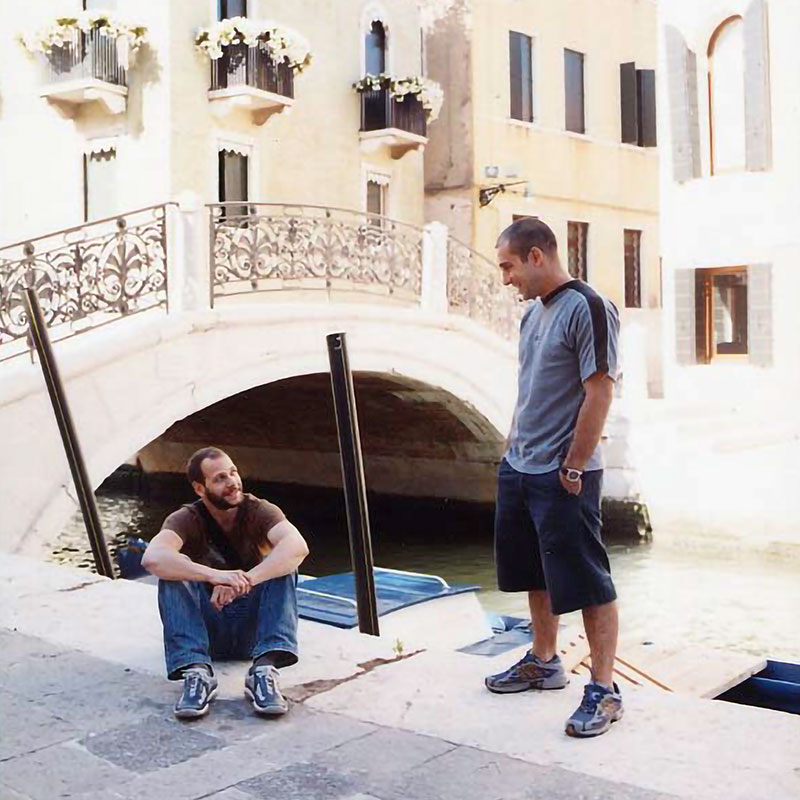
685	352
759	314
630	103
757	105
515	71
646	90
682	83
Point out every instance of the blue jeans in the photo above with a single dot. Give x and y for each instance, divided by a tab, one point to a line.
263	621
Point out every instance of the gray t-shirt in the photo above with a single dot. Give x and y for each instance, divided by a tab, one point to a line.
565	337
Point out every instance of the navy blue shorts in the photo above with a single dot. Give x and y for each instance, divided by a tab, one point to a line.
547	539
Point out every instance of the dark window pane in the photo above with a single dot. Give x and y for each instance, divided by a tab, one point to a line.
573	87
232	8
721	313
521	76
577	234
629	96
633	272
375	50
376	201
233	181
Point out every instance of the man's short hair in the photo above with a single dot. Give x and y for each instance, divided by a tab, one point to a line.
525	233
194	466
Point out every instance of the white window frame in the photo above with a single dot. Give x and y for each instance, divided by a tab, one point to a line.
104	144
383	177
374	12
245	146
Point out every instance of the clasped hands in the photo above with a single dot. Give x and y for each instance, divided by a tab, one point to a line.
228	585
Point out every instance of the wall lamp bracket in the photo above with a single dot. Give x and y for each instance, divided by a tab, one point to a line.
488	193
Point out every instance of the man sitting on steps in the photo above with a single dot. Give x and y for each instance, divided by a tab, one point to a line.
227	568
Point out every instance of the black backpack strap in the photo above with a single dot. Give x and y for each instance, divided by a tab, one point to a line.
218	537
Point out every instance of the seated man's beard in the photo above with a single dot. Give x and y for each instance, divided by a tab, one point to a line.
218	501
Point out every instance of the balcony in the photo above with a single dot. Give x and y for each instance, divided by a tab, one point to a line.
389	121
87	68
249	78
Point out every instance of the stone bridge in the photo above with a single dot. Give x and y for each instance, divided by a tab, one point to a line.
183	324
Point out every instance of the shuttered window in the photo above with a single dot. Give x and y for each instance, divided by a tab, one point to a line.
638	105
99	185
573	90
721	313
227	9
521	72
233	168
376	201
577	236
633	269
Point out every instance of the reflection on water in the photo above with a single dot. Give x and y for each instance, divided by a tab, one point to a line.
666	595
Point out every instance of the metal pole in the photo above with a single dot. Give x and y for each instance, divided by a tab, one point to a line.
38	332
355	494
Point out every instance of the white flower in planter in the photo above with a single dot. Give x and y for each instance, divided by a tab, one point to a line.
282	43
62	31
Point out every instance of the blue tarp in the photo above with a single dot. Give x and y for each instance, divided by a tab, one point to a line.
331	599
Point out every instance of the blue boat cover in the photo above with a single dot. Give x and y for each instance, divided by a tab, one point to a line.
331	599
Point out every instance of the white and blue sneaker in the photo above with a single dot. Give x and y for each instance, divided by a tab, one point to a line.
261	686
599	708
530	672
199	689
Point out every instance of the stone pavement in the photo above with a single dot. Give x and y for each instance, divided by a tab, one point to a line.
85	712
80	727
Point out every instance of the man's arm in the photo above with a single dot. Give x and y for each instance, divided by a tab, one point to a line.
289	548
163	558
599	390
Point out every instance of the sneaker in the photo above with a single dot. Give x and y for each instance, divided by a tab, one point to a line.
261	686
199	689
529	673
599	708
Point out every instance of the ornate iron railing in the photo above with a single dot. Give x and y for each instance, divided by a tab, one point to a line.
475	289
240	65
277	246
85	276
85	55
380	109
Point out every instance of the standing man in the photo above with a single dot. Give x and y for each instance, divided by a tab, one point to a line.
547	522
227	567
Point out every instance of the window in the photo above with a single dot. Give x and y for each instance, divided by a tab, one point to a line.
233	183
633	269
376	200
726	86
638	105
521	71
577	234
99	184
720	313
375	49
573	88
227	9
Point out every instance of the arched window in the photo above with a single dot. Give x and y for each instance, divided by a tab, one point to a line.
375	49
726	96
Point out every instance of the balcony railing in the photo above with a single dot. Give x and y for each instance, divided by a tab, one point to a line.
91	55
240	65
84	276
381	110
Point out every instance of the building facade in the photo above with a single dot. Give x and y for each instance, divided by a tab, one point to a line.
84	138
729	124
550	111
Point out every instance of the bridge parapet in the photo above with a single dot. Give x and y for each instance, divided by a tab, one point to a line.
85	276
184	257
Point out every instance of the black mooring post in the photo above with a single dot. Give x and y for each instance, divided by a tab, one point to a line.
38	331
355	494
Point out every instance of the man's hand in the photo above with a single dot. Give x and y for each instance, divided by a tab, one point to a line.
221	596
573	487
236	579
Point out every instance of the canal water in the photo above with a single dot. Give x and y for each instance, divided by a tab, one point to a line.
667	595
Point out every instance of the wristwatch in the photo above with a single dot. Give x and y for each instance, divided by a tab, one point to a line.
572	475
